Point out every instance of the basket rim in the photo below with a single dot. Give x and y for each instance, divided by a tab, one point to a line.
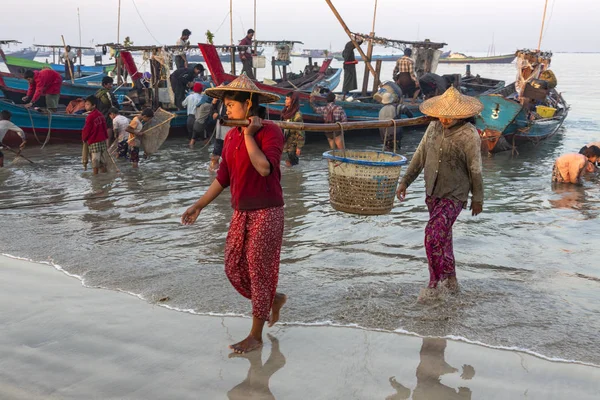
329	156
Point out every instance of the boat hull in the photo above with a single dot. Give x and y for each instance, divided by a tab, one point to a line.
504	59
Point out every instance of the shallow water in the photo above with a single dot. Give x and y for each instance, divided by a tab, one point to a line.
526	265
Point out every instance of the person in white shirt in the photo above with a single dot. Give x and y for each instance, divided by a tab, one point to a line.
180	56
191	102
120	124
7	126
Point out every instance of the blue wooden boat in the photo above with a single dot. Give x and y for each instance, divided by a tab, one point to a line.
63	128
529	114
84	69
16	88
504	124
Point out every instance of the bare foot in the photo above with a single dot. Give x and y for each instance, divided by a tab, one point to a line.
246	345
288	163
278	302
428	295
451	284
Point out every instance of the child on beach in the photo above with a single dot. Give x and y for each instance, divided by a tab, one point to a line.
135	133
7	126
120	124
250	167
570	168
94	134
191	102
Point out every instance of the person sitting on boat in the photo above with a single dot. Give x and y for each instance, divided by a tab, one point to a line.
350	62
135	133
94	134
182	80
7	126
246	53
46	82
332	113
570	168
294	139
251	168
391	110
120	124
106	101
191	102
405	76
180	55
450	154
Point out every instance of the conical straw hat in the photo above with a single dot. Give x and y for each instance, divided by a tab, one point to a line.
242	84
451	104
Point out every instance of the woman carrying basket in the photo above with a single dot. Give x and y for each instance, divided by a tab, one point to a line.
451	157
250	167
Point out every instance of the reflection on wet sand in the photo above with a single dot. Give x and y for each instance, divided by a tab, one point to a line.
429	372
256	384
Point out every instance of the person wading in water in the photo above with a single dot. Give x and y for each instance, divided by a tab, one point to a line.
250	167
450	154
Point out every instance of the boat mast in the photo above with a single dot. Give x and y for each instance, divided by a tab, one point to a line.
118	60
80	50
255	43
542	30
232	49
369	54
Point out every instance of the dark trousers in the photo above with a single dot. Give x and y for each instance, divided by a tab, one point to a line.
179	62
247	68
179	92
191	119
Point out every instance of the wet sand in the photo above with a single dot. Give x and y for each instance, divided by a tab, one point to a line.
61	340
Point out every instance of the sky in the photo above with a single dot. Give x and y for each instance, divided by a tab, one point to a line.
465	25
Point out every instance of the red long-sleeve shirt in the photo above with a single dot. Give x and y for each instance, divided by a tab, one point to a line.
46	81
94	130
249	189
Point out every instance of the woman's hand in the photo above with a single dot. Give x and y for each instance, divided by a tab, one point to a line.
255	125
190	215
476	208
401	192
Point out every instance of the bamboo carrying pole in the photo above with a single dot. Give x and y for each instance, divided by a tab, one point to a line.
346	126
67	58
349	33
542	30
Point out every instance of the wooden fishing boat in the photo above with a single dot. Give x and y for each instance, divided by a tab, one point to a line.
18	66
459	58
15	88
312	53
522	113
324	77
224	56
383	57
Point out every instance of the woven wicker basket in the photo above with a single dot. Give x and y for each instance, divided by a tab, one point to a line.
363	182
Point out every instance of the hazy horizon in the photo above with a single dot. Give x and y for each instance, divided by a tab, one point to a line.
466	25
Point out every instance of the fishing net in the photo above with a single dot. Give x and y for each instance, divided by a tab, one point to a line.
156	131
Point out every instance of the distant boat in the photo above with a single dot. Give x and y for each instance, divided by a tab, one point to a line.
459	58
313	53
383	57
325	77
223	56
27	54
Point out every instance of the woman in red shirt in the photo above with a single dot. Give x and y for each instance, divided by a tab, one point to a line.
250	167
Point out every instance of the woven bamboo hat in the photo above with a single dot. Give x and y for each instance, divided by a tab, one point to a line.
242	84
451	104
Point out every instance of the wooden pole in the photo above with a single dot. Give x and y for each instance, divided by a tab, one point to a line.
542	30
377	81
119	23
347	126
231	36
80	50
349	33
255	44
67	58
369	55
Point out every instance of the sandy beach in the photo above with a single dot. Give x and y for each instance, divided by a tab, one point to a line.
61	340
